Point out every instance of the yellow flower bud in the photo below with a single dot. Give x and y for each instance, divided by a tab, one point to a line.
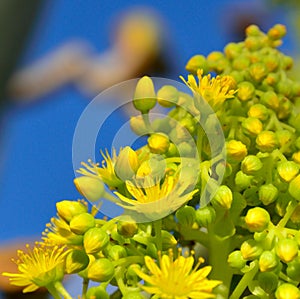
246	91
91	188
223	197
81	223
287	249
258	71
296	157
67	209
167	96
267	194
270	99
205	216
252	126
287	291
144	96
127	229
277	32
94	240
251	164
257	219
196	63
76	261
266	141
251	250
138	126
287	170
158	143
268	261
236	260
101	270
236	151
98	292
294	187
258	111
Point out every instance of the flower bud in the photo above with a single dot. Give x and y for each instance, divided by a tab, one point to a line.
168	240
287	170
127	229
138	126
260	236
94	240
270	99
67	209
266	141
97	293
76	261
251	164
293	269
91	188
271	62
258	71
158	143
196	63
127	163
258	111
252	126
268	261
267	194
101	270
294	187
144	96
167	96
246	91
287	290
295	217
154	168
236	260
277	32
251	250
296	157
242	180
205	216
240	62
117	252
186	216
232	50
223	197
285	140
81	223
287	249
236	151
257	219
272	78
268	281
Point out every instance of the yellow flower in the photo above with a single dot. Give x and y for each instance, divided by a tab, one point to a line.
177	279
156	200
41	266
214	90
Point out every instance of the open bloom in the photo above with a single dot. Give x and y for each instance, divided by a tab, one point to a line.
177	279
41	266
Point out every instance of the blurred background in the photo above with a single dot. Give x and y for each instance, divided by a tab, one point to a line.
56	56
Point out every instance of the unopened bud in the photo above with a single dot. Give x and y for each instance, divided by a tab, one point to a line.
94	240
268	261
242	180
251	164
267	194
127	229
116	252
101	270
236	260
81	223
257	219
196	63
76	261
287	290
258	111
270	99
296	157
287	249
246	91
97	293
205	216
268	281
251	250
91	188
266	141
186	216
277	32
138	126
158	143
223	197
67	209
294	187
258	71
287	170
295	217
167	96
252	126
236	151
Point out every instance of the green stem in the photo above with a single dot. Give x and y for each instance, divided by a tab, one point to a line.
190	234
147	122
244	282
289	211
85	285
119	278
200	135
126	261
60	288
157	229
52	290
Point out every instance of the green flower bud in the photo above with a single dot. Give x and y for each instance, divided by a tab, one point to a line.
293	269
294	187
287	249
253	30
277	32
267	194
101	270
285	140
257	219
138	126
251	164
251	196
217	61
97	293
287	290
186	216
295	217
223	197
133	295
162	125
252	126
240	63
91	188
127	229
272	78
167	96
127	163
268	261
287	170
287	62
254	43
131	273
205	216
260	236
144	96
266	141
251	250
168	240
232	50
258	111
242	180
236	151
271	62
196	63
117	252
246	91
76	261
67	209
258	71
94	240
268	281
189	124
236	260
270	99
158	143
81	223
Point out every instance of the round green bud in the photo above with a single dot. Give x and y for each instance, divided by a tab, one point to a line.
94	240
254	43
285	140
272	78
236	151
97	293
186	216
232	50
252	126
92	188
167	96
287	62
268	281
117	252
242	180
267	194
131	272
236	260
223	198
168	240
260	236
101	270
196	63
189	124
294	187
138	126
268	261
293	269
158	143
246	91
287	290
270	99
240	63
251	164
258	111
277	32
133	295
127	229
287	170
205	216
67	209
287	249
257	219
76	261
251	250
258	71
81	223
253	30
271	62
144	96
266	141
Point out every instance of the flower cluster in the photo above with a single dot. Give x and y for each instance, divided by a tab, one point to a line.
179	193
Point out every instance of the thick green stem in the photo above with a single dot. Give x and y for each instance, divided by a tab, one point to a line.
52	290
157	229
85	285
60	288
289	211
190	234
